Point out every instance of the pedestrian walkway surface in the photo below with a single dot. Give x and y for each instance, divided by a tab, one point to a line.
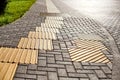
54	42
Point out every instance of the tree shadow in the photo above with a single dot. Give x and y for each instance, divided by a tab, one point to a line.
3	4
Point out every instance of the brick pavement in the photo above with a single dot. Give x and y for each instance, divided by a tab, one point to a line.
56	64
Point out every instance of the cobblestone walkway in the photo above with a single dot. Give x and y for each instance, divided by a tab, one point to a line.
57	63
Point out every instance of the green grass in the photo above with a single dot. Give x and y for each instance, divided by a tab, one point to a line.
14	10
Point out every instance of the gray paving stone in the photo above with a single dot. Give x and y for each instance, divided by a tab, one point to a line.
100	74
18	79
32	67
58	57
42	78
77	65
106	70
37	72
42	63
50	60
63	78
47	69
22	69
85	71
52	76
91	67
62	72
93	77
70	68
77	75
56	65
84	78
26	76
64	62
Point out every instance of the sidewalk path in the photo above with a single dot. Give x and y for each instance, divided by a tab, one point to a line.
74	46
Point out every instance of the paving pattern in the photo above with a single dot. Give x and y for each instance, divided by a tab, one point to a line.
63	36
7	71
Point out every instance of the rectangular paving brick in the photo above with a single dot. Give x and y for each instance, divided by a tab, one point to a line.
77	75
62	72
56	65
91	67
77	65
42	77
41	62
70	68
52	76
63	78
46	69
100	74
93	77
106	70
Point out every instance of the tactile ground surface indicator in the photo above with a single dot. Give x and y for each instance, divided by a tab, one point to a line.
14	55
42	35
7	71
88	51
31	43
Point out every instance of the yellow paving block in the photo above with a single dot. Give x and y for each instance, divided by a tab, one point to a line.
7	71
54	18
14	55
53	21
42	29
42	35
88	55
42	44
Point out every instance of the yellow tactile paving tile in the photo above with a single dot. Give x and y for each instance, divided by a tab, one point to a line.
88	55
51	25
42	29
90	44
42	35
42	44
53	21
54	18
14	55
7	71
90	37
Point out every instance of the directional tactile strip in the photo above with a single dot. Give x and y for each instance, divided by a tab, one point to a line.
14	55
43	44
54	18
52	25
88	51
53	21
88	55
7	71
90	44
42	35
42	29
90	37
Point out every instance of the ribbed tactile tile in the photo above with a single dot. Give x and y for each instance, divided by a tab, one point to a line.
90	37
42	35
14	55
54	18
47	25
30	43
7	71
88	55
42	29
90	44
53	21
